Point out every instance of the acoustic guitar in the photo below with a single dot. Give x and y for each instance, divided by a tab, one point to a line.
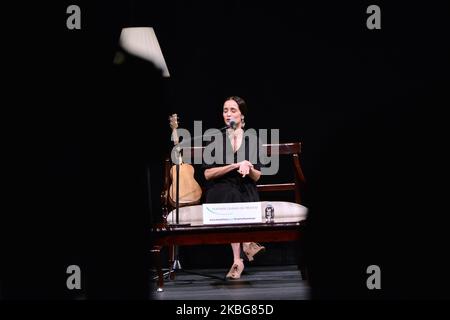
189	189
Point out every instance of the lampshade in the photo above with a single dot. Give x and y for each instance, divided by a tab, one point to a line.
142	42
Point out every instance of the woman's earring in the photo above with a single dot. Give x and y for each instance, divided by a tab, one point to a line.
242	122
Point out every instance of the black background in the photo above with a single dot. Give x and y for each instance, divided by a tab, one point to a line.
367	104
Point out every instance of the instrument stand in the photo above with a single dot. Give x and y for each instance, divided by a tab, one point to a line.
175	264
176	267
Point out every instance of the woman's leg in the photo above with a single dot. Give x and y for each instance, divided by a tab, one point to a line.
238	265
236	251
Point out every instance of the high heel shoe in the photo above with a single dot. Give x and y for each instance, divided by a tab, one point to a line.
236	270
252	248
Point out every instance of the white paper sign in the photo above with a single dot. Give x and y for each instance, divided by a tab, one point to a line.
238	212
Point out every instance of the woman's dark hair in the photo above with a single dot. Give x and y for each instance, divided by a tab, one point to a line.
241	104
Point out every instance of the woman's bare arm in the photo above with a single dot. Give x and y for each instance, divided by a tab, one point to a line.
217	172
254	174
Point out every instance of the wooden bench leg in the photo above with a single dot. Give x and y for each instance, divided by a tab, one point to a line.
156	252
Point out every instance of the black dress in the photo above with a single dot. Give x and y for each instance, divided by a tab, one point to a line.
231	187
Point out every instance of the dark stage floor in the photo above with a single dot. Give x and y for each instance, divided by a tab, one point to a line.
256	283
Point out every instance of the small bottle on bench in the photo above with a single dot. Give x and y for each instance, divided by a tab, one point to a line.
269	213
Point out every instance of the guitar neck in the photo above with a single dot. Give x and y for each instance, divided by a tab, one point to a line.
176	144
175	137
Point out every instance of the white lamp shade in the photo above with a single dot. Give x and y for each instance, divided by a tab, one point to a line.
142	42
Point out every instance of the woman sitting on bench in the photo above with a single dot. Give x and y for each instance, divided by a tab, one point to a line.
235	181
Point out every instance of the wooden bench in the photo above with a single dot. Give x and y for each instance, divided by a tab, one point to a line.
286	227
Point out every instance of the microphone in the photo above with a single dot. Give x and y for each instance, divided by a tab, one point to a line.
233	123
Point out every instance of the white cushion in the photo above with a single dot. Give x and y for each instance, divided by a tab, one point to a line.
284	212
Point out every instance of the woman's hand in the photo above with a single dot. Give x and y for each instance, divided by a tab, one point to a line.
244	167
